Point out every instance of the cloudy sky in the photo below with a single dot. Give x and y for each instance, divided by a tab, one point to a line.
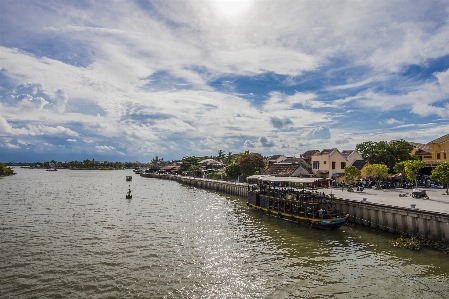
130	80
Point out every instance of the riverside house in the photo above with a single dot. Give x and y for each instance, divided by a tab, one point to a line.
434	152
331	163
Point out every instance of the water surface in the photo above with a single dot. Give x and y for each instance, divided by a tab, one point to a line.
72	234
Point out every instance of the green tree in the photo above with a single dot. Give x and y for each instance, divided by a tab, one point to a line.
377	171
386	153
5	170
411	169
441	174
352	173
189	163
220	156
233	170
229	158
250	163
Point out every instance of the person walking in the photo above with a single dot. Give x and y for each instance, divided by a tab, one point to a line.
342	186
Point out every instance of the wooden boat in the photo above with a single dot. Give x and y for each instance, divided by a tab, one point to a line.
284	198
129	178
129	196
52	169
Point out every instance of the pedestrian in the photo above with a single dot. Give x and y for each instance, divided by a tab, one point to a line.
342	186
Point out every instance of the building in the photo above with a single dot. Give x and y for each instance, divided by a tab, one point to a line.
275	159
331	163
434	152
289	167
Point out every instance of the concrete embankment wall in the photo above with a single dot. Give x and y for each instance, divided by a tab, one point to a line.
423	224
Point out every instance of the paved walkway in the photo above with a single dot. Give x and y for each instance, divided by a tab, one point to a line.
437	202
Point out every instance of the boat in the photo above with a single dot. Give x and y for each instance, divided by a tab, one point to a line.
287	198
52	169
128	195
129	178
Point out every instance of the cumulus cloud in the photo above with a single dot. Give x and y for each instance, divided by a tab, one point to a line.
104	148
265	143
280	123
391	121
195	80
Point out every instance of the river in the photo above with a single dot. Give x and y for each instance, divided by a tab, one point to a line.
72	234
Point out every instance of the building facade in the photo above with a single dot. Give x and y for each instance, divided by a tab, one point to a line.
331	163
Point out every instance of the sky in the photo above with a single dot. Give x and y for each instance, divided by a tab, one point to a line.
134	79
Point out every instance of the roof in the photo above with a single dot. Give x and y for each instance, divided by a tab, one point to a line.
269	178
309	153
359	163
440	140
328	151
292	160
274	157
281	170
347	153
421	147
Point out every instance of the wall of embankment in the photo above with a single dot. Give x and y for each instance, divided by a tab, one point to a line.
425	225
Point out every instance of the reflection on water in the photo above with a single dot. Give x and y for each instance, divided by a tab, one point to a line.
73	234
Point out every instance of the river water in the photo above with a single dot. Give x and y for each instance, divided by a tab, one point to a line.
72	234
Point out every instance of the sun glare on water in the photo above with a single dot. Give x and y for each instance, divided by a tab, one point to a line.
231	9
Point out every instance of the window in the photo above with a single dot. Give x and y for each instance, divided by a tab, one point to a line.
438	156
333	165
324	162
343	165
444	156
316	164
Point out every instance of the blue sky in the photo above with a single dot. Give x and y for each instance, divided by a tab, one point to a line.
131	80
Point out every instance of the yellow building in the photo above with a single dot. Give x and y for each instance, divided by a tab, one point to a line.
434	152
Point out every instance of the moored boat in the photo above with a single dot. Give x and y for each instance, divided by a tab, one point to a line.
129	178
282	197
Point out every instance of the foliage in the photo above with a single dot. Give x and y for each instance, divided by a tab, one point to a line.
411	169
377	171
352	173
5	170
441	174
233	170
216	176
189	163
386	153
250	163
220	156
156	162
403	242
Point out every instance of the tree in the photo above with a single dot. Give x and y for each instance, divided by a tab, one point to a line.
411	169
386	153
188	162
441	174
377	171
220	156
5	170
229	158
352	173
250	163
233	170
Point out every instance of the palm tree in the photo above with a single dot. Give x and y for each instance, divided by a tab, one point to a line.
220	156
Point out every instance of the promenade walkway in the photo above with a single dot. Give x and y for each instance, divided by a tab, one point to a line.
437	202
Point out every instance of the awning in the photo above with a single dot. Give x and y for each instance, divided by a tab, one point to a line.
269	178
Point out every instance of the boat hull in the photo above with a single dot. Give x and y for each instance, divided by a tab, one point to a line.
326	224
